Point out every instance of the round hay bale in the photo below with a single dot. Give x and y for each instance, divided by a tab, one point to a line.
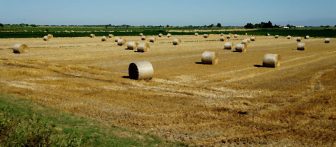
271	60
19	48
228	46
289	37
196	34
132	45
110	35
141	70
92	35
121	42
116	39
268	34
245	41
276	36
298	39
253	38
143	37
307	37
205	35
143	47
235	36
221	38
209	57
228	37
104	38
176	41
240	47
327	40
152	39
45	38
160	35
169	35
50	36
141	34
301	46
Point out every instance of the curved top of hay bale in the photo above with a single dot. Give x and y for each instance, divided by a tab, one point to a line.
143	47
50	36
301	46
45	38
209	57
141	70
104	38
152	39
271	60
92	35
176	41
121	42
143	37
131	45
228	45
19	48
240	47
205	35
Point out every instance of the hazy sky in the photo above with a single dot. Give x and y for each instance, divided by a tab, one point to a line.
172	12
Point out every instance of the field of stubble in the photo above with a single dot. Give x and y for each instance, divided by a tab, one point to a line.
235	102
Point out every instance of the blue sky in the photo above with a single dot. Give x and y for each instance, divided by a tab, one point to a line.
172	12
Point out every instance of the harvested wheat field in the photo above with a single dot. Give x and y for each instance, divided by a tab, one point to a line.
234	102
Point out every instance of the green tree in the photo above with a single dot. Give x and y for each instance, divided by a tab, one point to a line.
249	26
219	25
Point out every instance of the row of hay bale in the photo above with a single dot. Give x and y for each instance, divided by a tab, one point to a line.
140	47
143	70
48	37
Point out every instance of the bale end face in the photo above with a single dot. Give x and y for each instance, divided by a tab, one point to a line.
271	60
142	70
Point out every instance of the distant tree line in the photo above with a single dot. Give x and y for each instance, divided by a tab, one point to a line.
268	24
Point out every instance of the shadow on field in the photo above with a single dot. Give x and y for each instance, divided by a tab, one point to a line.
199	62
258	65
